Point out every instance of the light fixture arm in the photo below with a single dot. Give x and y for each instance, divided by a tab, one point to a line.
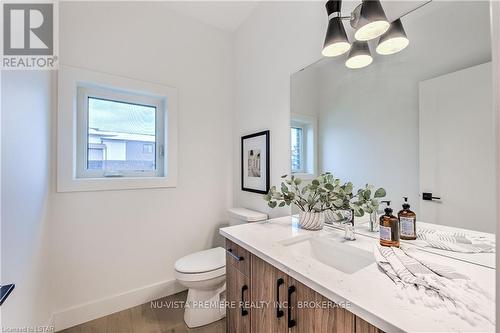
339	15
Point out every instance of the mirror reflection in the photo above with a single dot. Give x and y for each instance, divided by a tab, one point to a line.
418	123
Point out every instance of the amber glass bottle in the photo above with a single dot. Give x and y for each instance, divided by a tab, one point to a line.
389	228
407	222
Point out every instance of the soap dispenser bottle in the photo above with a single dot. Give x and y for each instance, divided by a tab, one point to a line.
389	228
407	222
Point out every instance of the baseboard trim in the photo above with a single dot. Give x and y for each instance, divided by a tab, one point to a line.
82	313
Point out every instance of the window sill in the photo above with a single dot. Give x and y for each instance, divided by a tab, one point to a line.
113	184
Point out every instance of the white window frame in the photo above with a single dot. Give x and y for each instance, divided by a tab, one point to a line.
75	84
84	92
309	144
302	147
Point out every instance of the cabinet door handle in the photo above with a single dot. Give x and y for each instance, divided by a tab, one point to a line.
291	322
279	312
244	311
230	252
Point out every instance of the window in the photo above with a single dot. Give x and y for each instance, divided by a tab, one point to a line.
297	149
114	132
119	134
303	145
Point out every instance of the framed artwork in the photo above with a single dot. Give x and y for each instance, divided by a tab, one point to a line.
255	162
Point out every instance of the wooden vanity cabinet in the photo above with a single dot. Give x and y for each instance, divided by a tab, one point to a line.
312	312
279	303
238	289
271	289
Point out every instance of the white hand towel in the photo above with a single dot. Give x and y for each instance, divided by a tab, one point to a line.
437	286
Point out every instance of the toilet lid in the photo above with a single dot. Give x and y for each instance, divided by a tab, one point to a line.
203	261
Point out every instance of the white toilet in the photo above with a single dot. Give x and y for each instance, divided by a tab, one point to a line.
204	273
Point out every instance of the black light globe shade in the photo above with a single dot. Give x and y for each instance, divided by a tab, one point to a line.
359	56
394	40
336	42
372	21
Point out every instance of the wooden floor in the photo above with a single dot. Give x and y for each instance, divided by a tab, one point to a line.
145	319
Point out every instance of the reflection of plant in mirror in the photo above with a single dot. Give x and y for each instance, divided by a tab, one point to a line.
324	193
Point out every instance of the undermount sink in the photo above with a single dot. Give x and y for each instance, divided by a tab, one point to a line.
332	250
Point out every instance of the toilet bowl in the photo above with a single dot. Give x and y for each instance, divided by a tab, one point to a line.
204	274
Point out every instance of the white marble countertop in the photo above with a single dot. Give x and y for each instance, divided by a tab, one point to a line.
485	259
369	293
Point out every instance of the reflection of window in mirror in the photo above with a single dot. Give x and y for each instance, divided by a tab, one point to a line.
297	147
303	145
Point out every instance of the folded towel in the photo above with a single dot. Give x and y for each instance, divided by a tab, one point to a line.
455	241
436	286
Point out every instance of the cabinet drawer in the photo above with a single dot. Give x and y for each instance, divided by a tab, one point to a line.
238	294
238	257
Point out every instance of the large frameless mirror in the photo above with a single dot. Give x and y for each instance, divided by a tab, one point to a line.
419	123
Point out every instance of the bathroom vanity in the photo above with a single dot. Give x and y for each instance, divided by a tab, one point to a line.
281	278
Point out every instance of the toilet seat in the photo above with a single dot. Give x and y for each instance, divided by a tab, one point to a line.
202	265
192	277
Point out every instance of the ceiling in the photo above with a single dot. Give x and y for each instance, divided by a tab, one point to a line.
393	9
226	15
229	15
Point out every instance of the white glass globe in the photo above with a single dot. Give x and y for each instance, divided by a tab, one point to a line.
335	49
392	45
372	30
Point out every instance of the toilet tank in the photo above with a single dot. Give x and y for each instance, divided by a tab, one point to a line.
243	215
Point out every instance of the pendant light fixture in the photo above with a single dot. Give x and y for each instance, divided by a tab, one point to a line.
369	20
336	42
359	55
394	40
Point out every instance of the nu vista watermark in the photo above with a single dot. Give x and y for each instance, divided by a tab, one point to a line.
159	304
29	31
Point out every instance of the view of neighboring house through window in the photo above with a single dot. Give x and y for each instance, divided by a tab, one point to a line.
297	152
114	133
121	136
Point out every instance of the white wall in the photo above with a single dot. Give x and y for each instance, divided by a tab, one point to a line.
278	39
114	242
25	119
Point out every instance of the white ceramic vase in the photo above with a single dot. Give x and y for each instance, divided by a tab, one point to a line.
311	220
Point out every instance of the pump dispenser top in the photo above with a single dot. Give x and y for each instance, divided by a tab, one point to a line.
406	205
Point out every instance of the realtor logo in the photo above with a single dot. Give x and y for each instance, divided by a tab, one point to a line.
28	29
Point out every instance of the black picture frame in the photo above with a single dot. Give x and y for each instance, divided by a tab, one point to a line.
266	134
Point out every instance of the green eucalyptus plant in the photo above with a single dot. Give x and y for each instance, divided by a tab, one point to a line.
324	193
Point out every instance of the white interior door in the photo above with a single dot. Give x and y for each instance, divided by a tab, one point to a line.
457	149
